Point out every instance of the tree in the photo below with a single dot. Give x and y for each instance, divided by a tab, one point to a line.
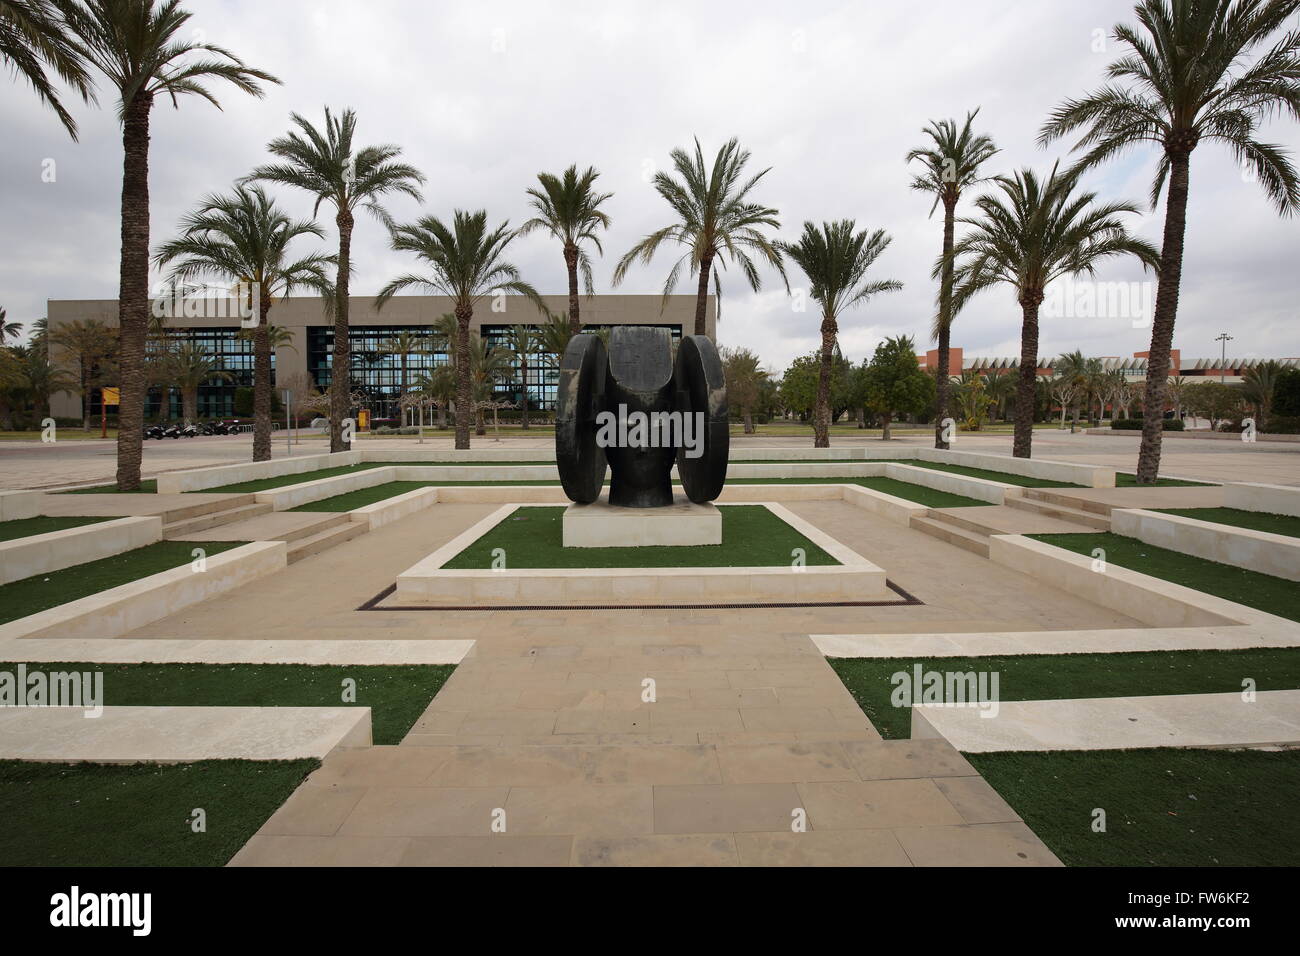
715	220
466	263
190	366
1286	394
1175	389
1218	402
1257	385
8	330
798	388
744	376
521	342
439	385
327	165
1190	77
93	346
34	35
950	164
139	47
973	399
895	383
836	261
1077	370
489	366
569	209
243	237
405	344
1063	390
1038	231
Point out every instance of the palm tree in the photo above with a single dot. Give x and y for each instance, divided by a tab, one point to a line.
745	377
405	344
93	345
1257	384
569	210
521	342
1176	391
8	330
1037	231
553	337
439	384
466	263
329	167
1187	80
1073	369
715	221
34	34
139	47
951	163
488	366
244	237
836	260
999	387
190	366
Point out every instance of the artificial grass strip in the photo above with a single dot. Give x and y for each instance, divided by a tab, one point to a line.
1164	806
930	497
147	487
397	694
1236	517
1126	480
1260	591
86	814
531	538
1005	478
26	527
44	591
1074	676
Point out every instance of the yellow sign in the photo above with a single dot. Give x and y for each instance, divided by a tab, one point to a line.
363	418
111	396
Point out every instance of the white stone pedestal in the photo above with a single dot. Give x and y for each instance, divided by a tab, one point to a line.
602	525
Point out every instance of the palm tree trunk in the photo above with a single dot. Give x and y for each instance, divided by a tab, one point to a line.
702	297
190	403
133	294
85	394
571	266
1026	387
463	402
523	397
262	381
822	407
888	417
749	422
402	393
1166	311
943	386
341	377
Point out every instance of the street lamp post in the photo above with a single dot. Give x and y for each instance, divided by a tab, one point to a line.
1225	338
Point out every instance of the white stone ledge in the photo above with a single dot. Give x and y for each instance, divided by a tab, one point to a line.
981	489
198	479
180	734
291	496
55	550
418	452
393	509
1090	476
1255	496
20	504
122	609
1261	551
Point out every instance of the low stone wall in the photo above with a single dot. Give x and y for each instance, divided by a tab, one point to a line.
898	510
1275	554
883	451
291	496
1270	499
1090	476
120	610
981	489
43	553
476	472
395	508
865	469
417	452
15	505
199	479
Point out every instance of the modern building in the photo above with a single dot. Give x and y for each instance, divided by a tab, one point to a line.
308	352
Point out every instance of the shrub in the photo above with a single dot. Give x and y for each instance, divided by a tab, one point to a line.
1135	425
1282	425
1286	395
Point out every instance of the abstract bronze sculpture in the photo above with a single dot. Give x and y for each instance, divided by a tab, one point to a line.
638	411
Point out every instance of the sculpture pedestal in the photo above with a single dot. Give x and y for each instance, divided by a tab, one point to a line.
602	525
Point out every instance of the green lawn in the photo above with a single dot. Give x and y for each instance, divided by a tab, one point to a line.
396	694
1125	480
26	527
43	591
1253	520
282	481
139	814
1262	591
1164	806
147	487
1073	676
531	537
1002	476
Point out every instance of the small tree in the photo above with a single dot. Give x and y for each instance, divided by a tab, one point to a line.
745	377
895	383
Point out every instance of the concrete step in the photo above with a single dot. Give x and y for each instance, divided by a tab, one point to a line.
1064	498
215	519
324	540
327	521
958	519
970	540
1090	519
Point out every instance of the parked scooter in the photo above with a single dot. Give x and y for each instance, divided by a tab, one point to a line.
172	431
153	431
190	430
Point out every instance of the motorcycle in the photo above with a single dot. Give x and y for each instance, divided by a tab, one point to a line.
153	431
190	431
172	431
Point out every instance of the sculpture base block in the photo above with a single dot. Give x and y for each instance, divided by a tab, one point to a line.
602	525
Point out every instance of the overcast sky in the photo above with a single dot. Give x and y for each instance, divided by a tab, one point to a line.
481	96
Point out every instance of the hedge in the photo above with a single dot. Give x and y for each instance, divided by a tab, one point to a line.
1135	425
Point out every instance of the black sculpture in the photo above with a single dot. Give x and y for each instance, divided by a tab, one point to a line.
638	411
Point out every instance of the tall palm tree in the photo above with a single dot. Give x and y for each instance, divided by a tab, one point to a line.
8	330
1035	232
950	164
1176	392
569	209
141	48
521	342
327	165
836	260
190	366
1257	384
553	337
1190	77
244	237
34	35
94	347
439	384
405	344
466	262
488	367
715	221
